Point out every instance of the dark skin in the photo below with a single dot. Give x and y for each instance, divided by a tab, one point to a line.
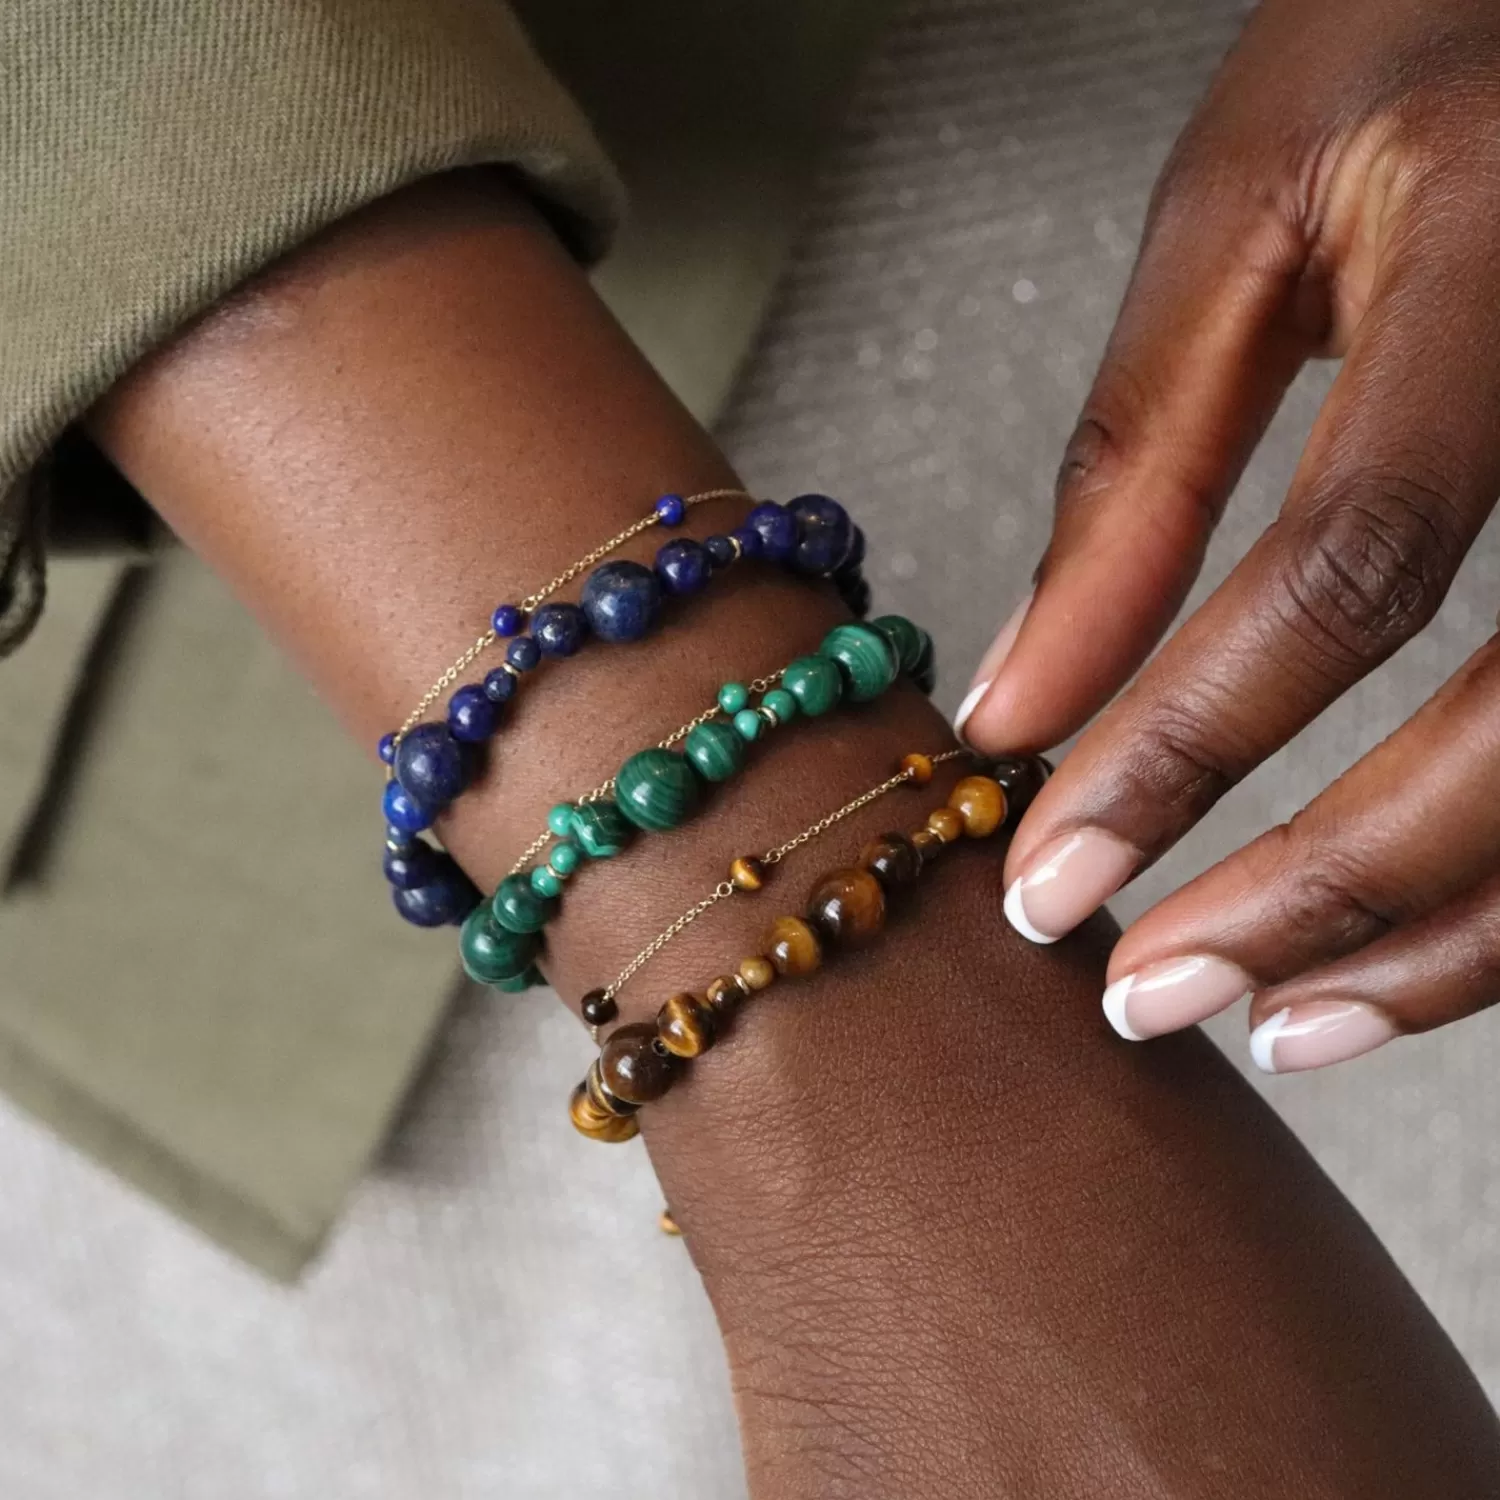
960	1241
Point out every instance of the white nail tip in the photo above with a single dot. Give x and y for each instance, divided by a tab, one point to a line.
1263	1040
1114	1008
970	703
1015	914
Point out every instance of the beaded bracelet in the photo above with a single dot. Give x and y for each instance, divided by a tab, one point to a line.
846	908
431	763
661	788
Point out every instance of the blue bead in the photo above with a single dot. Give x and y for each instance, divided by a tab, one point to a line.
856	558
776	529
559	629
721	551
622	601
403	811
523	653
430	765
446	899
750	542
670	510
500	685
472	717
508	620
386	749
418	866
824	535
399	841
683	566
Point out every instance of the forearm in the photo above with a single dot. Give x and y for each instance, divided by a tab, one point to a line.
960	1242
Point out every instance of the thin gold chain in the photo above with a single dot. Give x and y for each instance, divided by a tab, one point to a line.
532	602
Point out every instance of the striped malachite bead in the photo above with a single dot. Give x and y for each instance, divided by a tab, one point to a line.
907	638
519	908
600	829
815	683
866	658
491	954
529	980
715	750
657	789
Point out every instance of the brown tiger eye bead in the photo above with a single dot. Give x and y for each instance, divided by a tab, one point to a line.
685	1025
635	1066
793	947
603	1099
980	802
892	859
598	1008
946	824
747	873
927	844
726	992
847	907
757	972
598	1124
919	767
1020	777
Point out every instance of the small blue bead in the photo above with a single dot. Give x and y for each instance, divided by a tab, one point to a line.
523	653
500	686
824	535
386	749
670	510
559	629
472	716
430	765
446	899
508	620
622	601
399	841
777	531
721	551
418	866
750	542
403	811
683	566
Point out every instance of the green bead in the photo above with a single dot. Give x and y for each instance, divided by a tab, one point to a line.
815	682
601	829
565	857
781	703
518	907
527	981
865	657
924	674
560	819
545	883
657	789
715	750
748	725
733	696
490	954
905	637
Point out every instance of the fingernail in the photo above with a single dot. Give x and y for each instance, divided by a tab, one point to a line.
1174	993
990	664
1067	881
1317	1033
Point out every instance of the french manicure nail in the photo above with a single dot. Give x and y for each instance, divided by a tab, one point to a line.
1317	1033
1067	881
1174	993
990	664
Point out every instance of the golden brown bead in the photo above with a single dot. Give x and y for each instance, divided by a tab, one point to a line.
927	844
603	1099
747	873
685	1025
598	1124
946	824
667	1224
793	947
634	1065
847	907
757	972
726	992
980	802
892	859
918	767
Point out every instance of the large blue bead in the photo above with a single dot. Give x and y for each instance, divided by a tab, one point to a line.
559	629
683	566
404	811
430	765
417	865
622	601
825	534
776	529
448	898
472	715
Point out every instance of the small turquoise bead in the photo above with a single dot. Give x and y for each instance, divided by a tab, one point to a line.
657	789
865	657
518	907
545	883
564	858
815	682
715	750
781	703
904	636
733	696
748	725
527	981
601	829
560	819
490	954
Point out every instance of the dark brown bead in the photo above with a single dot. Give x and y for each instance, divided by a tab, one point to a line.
793	947
747	873
946	824
602	1096
599	1124
634	1065
980	802
685	1025
1021	777
598	1008
927	844
726	992
892	859
847	907
757	972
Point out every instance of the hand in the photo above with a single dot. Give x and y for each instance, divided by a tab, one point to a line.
1338	193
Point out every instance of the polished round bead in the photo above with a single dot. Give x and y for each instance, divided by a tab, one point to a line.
397	841
793	947
403	811
748	725
415	865
670	510
946	824
523	653
748	541
560	819
634	1064
685	1025
491	952
386	749
564	858
508	620
715	750
448	897
601	1096
500	685
980	802
856	556
747	873
657	789
622	601
430	765
824	534
892	859
519	908
600	828
721	551
599	1124
924	674
815	683
733	696
472	716
559	629
683	566
1020	777
865	657
847	907
855	593
780	704
758	973
906	639
530	979
598	1008
725	993
927	844
917	768
776	529
545	883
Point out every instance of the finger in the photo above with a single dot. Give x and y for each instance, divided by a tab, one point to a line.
1409	828
1402	468
1211	332
1441	969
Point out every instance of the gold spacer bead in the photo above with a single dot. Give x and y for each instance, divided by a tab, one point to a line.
918	768
747	873
946	824
757	973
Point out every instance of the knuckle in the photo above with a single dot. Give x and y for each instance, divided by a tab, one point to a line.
1176	769
1331	905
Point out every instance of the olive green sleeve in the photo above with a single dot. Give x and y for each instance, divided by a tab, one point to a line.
155	153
